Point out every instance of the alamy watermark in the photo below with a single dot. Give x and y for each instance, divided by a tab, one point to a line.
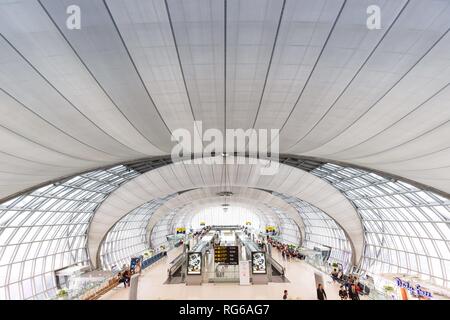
373	21
251	146
73	21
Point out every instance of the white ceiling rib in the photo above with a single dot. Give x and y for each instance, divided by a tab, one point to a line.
111	92
155	184
190	202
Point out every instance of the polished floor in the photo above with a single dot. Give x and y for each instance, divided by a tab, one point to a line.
300	287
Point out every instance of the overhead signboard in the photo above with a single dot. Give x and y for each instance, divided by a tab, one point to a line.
181	230
226	255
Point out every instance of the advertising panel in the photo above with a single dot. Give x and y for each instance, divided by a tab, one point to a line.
259	263
244	272
194	263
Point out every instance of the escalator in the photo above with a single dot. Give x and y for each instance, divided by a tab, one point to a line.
175	273
278	271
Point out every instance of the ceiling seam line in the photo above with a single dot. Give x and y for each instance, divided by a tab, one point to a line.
51	124
354	76
422	155
429	169
315	64
45	164
176	176
180	63
200	173
48	148
92	75
270	63
408	141
59	92
189	176
389	90
225	17
137	73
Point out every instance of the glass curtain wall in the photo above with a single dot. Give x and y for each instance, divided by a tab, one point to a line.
321	230
164	228
233	216
407	230
45	230
128	237
289	231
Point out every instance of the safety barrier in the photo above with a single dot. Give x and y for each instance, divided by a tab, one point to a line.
148	262
276	265
176	264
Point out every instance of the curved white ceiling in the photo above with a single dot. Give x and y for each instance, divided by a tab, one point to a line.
180	176
112	91
191	202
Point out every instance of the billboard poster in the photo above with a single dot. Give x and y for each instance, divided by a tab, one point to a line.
244	269
259	263
194	265
136	265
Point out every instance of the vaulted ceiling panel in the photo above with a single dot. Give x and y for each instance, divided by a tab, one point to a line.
113	91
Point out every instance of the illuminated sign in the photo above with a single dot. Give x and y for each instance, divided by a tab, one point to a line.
181	230
417	291
226	255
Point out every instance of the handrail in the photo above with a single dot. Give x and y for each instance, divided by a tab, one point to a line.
151	260
176	263
177	258
276	264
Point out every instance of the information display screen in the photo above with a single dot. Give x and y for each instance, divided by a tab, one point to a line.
194	263
226	255
259	263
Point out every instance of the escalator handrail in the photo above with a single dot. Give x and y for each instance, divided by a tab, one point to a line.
176	263
180	256
277	265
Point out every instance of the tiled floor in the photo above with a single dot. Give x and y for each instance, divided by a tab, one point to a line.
300	274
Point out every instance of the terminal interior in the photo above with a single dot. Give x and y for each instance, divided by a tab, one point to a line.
95	204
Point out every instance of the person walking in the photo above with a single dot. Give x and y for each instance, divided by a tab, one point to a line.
354	291
343	293
321	295
349	290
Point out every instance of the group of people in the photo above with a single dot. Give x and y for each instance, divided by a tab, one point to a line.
286	252
125	276
200	233
345	292
337	275
351	289
321	295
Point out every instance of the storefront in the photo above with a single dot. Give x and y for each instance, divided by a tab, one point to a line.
408	287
